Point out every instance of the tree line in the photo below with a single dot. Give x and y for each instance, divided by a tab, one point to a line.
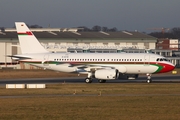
173	33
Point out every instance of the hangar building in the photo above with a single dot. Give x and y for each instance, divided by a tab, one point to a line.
73	40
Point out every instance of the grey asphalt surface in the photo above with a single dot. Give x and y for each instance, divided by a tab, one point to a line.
74	80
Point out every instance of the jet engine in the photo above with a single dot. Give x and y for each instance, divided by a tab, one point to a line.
106	74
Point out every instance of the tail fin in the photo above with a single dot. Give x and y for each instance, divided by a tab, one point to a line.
28	42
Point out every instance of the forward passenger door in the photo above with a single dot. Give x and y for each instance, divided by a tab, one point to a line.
146	59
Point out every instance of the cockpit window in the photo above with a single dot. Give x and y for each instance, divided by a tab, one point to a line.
162	59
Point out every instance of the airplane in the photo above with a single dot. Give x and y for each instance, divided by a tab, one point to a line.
101	66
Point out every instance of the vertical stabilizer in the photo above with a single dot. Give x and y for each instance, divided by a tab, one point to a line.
28	42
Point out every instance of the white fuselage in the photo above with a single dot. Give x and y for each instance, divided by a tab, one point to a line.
131	63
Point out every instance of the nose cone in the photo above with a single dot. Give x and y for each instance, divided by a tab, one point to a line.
167	68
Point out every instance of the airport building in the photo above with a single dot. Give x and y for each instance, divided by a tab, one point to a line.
73	40
168	44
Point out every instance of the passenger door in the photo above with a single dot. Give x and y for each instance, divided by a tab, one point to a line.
146	59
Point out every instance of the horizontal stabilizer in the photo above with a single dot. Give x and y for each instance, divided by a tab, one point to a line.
18	57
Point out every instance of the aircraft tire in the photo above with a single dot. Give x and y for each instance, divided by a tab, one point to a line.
102	81
149	81
88	80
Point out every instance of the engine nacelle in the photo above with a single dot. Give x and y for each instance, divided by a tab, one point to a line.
106	74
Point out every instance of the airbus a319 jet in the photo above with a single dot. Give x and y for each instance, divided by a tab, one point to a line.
101	66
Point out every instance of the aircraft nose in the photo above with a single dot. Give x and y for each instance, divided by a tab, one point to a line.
171	67
168	67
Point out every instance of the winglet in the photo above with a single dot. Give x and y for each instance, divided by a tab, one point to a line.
28	42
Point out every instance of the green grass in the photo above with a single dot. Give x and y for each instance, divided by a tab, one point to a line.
118	101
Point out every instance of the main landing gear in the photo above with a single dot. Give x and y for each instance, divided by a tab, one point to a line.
149	80
88	80
102	81
90	77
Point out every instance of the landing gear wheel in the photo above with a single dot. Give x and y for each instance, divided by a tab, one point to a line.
149	81
88	80
102	81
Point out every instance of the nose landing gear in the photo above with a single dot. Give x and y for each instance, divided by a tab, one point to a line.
149	80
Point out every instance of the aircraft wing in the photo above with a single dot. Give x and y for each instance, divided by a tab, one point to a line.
87	67
83	66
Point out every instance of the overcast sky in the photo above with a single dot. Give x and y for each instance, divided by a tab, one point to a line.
123	14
